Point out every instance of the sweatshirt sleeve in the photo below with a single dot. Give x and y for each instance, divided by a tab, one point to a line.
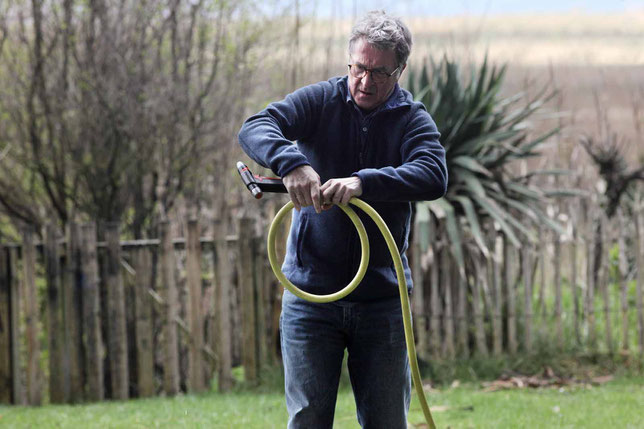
267	137
422	175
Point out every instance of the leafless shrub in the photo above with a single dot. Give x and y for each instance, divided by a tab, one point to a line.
114	109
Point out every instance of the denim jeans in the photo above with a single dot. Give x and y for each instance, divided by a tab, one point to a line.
313	340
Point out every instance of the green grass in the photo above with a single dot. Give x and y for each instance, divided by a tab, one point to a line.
615	404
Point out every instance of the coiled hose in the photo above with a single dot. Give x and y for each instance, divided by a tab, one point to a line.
362	269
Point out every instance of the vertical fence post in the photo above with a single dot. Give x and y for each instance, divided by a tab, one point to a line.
116	319
171	348
58	377
448	319
497	322
543	255
143	322
623	272
461	312
246	279
73	319
193	268
16	303
261	285
604	279
434	289
574	244
478	282
223	314
510	296
34	375
557	282
590	282
91	313
639	222
5	330
526	268
418	295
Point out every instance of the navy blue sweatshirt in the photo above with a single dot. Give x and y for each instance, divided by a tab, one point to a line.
393	149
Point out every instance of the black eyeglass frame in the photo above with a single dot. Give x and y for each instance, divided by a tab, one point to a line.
380	76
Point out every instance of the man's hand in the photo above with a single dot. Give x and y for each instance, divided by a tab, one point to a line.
303	186
340	191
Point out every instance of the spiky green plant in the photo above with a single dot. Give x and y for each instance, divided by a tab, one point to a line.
483	135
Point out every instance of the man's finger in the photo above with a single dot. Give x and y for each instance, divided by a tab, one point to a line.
347	196
315	198
296	201
305	196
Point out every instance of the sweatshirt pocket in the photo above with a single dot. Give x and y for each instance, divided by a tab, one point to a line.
304	220
322	241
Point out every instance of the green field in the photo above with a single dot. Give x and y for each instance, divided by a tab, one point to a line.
617	404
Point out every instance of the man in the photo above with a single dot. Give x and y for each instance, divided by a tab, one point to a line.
363	136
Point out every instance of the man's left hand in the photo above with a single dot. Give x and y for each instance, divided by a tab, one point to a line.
340	191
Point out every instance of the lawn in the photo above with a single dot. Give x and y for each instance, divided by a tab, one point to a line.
616	404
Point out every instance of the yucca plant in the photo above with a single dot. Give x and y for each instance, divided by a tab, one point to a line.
483	135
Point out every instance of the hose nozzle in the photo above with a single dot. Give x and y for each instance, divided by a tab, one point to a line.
257	185
249	180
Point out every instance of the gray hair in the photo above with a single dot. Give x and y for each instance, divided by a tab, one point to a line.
384	32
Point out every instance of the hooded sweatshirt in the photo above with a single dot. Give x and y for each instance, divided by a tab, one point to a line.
393	149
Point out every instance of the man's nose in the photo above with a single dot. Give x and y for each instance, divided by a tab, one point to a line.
367	79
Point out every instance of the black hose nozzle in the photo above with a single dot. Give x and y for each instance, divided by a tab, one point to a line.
257	185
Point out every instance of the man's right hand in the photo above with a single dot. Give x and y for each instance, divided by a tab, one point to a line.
303	186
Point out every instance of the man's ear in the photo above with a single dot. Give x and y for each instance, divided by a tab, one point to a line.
402	70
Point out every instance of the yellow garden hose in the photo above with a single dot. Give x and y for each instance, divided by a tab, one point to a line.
362	269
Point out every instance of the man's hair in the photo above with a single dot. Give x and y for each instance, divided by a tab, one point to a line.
384	32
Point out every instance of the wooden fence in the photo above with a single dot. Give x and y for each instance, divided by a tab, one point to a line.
120	319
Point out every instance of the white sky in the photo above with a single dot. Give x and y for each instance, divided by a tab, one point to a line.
349	8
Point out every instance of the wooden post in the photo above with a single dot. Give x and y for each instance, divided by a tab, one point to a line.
497	321
73	314
171	348
623	272
91	313
418	296
117	333
263	303
557	283
34	374
5	330
573	281
543	256
510	298
224	281
526	268
604	279
434	285
246	281
639	222
274	289
590	290
143	322
16	303
196	380
479	326
448	319
461	311
58	377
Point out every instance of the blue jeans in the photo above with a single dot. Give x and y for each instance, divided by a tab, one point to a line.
314	337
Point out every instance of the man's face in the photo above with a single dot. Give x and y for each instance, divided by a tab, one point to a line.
366	93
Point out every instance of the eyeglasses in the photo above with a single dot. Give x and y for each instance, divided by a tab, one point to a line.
379	76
